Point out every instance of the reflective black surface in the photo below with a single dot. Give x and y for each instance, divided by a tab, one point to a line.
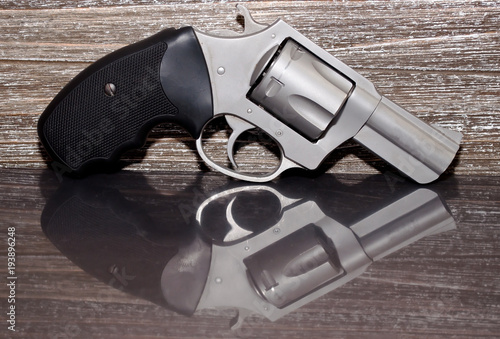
259	248
152	251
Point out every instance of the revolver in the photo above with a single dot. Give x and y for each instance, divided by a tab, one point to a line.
270	77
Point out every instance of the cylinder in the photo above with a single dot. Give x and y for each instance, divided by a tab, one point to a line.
301	90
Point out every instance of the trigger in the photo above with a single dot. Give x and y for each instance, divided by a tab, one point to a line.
236	231
238	126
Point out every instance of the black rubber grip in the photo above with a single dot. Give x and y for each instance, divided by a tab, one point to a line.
111	106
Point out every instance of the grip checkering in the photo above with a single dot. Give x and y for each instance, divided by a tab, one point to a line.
88	124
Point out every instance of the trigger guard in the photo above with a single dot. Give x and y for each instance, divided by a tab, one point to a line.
284	201
285	164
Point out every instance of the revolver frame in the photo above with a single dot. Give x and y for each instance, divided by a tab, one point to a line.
245	85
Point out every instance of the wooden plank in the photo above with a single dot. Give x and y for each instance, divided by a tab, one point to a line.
439	60
445	285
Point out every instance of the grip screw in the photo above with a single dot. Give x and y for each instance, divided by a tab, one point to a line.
110	89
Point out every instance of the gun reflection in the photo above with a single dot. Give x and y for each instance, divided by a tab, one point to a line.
266	249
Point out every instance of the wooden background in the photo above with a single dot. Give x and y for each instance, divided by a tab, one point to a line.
438	59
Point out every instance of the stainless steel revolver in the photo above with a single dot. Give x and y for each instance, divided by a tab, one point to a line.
269	77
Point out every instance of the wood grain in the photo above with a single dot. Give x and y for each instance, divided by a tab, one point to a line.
439	60
445	285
